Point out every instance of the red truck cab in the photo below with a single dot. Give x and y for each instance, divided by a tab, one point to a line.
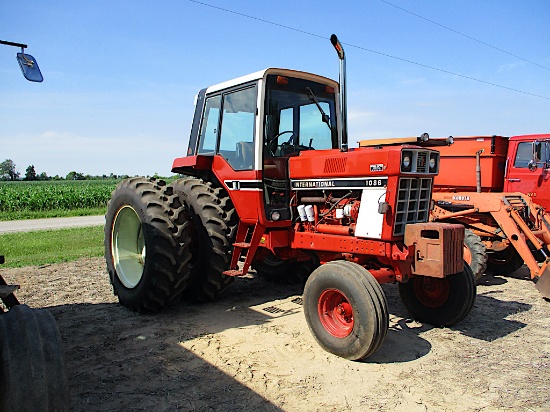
506	164
528	167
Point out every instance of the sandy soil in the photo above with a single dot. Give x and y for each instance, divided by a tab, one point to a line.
251	350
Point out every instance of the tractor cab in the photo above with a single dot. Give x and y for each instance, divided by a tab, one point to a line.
251	126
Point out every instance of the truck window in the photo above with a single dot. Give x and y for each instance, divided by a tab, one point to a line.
237	131
209	125
525	154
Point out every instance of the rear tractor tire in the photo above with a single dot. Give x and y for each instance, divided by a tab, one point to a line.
440	301
33	376
214	223
147	244
346	310
475	254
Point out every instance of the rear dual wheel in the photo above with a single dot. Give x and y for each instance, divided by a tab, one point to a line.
346	310
214	227
147	244
440	301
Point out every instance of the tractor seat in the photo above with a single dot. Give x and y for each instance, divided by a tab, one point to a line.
245	155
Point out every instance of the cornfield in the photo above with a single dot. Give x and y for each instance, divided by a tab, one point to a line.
55	195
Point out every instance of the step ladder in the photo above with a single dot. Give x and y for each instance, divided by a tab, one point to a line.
246	243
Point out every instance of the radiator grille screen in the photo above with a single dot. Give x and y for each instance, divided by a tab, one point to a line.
413	203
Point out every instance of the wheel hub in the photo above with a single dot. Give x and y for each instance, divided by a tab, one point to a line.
128	247
431	292
335	313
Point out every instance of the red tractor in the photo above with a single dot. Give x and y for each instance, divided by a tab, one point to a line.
270	183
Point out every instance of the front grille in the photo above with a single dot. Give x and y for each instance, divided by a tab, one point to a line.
422	162
413	202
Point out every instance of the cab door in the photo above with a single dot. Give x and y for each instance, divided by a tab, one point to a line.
532	181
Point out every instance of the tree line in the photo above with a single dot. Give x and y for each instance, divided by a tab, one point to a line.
8	172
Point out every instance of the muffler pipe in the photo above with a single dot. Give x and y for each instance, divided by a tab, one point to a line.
342	80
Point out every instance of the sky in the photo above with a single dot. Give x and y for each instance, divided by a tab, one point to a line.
120	77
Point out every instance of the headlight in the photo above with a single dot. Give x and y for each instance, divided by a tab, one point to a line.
406	161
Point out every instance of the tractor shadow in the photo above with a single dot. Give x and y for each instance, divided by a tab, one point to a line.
497	279
120	360
487	321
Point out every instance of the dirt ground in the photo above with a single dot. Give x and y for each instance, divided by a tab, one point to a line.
251	350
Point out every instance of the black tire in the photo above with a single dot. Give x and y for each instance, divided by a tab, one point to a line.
504	262
144	215
355	321
215	224
440	301
475	254
33	373
289	272
384	317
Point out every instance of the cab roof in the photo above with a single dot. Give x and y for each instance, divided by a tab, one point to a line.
262	75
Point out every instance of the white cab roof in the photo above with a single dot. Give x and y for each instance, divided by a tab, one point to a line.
263	73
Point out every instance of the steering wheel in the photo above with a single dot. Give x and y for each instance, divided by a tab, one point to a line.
272	144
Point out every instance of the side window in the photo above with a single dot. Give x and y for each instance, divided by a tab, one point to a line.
523	155
209	126
237	131
313	129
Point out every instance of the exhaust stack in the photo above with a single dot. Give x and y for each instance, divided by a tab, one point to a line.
342	80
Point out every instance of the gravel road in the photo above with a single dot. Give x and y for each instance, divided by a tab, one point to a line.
13	226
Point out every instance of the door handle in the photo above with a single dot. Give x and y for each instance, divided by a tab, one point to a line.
514	180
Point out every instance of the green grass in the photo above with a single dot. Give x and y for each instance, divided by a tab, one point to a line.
50	246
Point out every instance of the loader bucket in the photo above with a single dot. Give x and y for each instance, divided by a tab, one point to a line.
543	283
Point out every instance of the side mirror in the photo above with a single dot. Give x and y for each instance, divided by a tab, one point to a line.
27	63
536	158
29	67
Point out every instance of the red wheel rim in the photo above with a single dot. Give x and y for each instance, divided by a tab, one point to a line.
431	292
336	313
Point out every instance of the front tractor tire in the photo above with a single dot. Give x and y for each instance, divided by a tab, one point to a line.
504	262
440	301
214	222
346	310
147	242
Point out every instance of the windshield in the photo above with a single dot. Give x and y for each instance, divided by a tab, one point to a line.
297	114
